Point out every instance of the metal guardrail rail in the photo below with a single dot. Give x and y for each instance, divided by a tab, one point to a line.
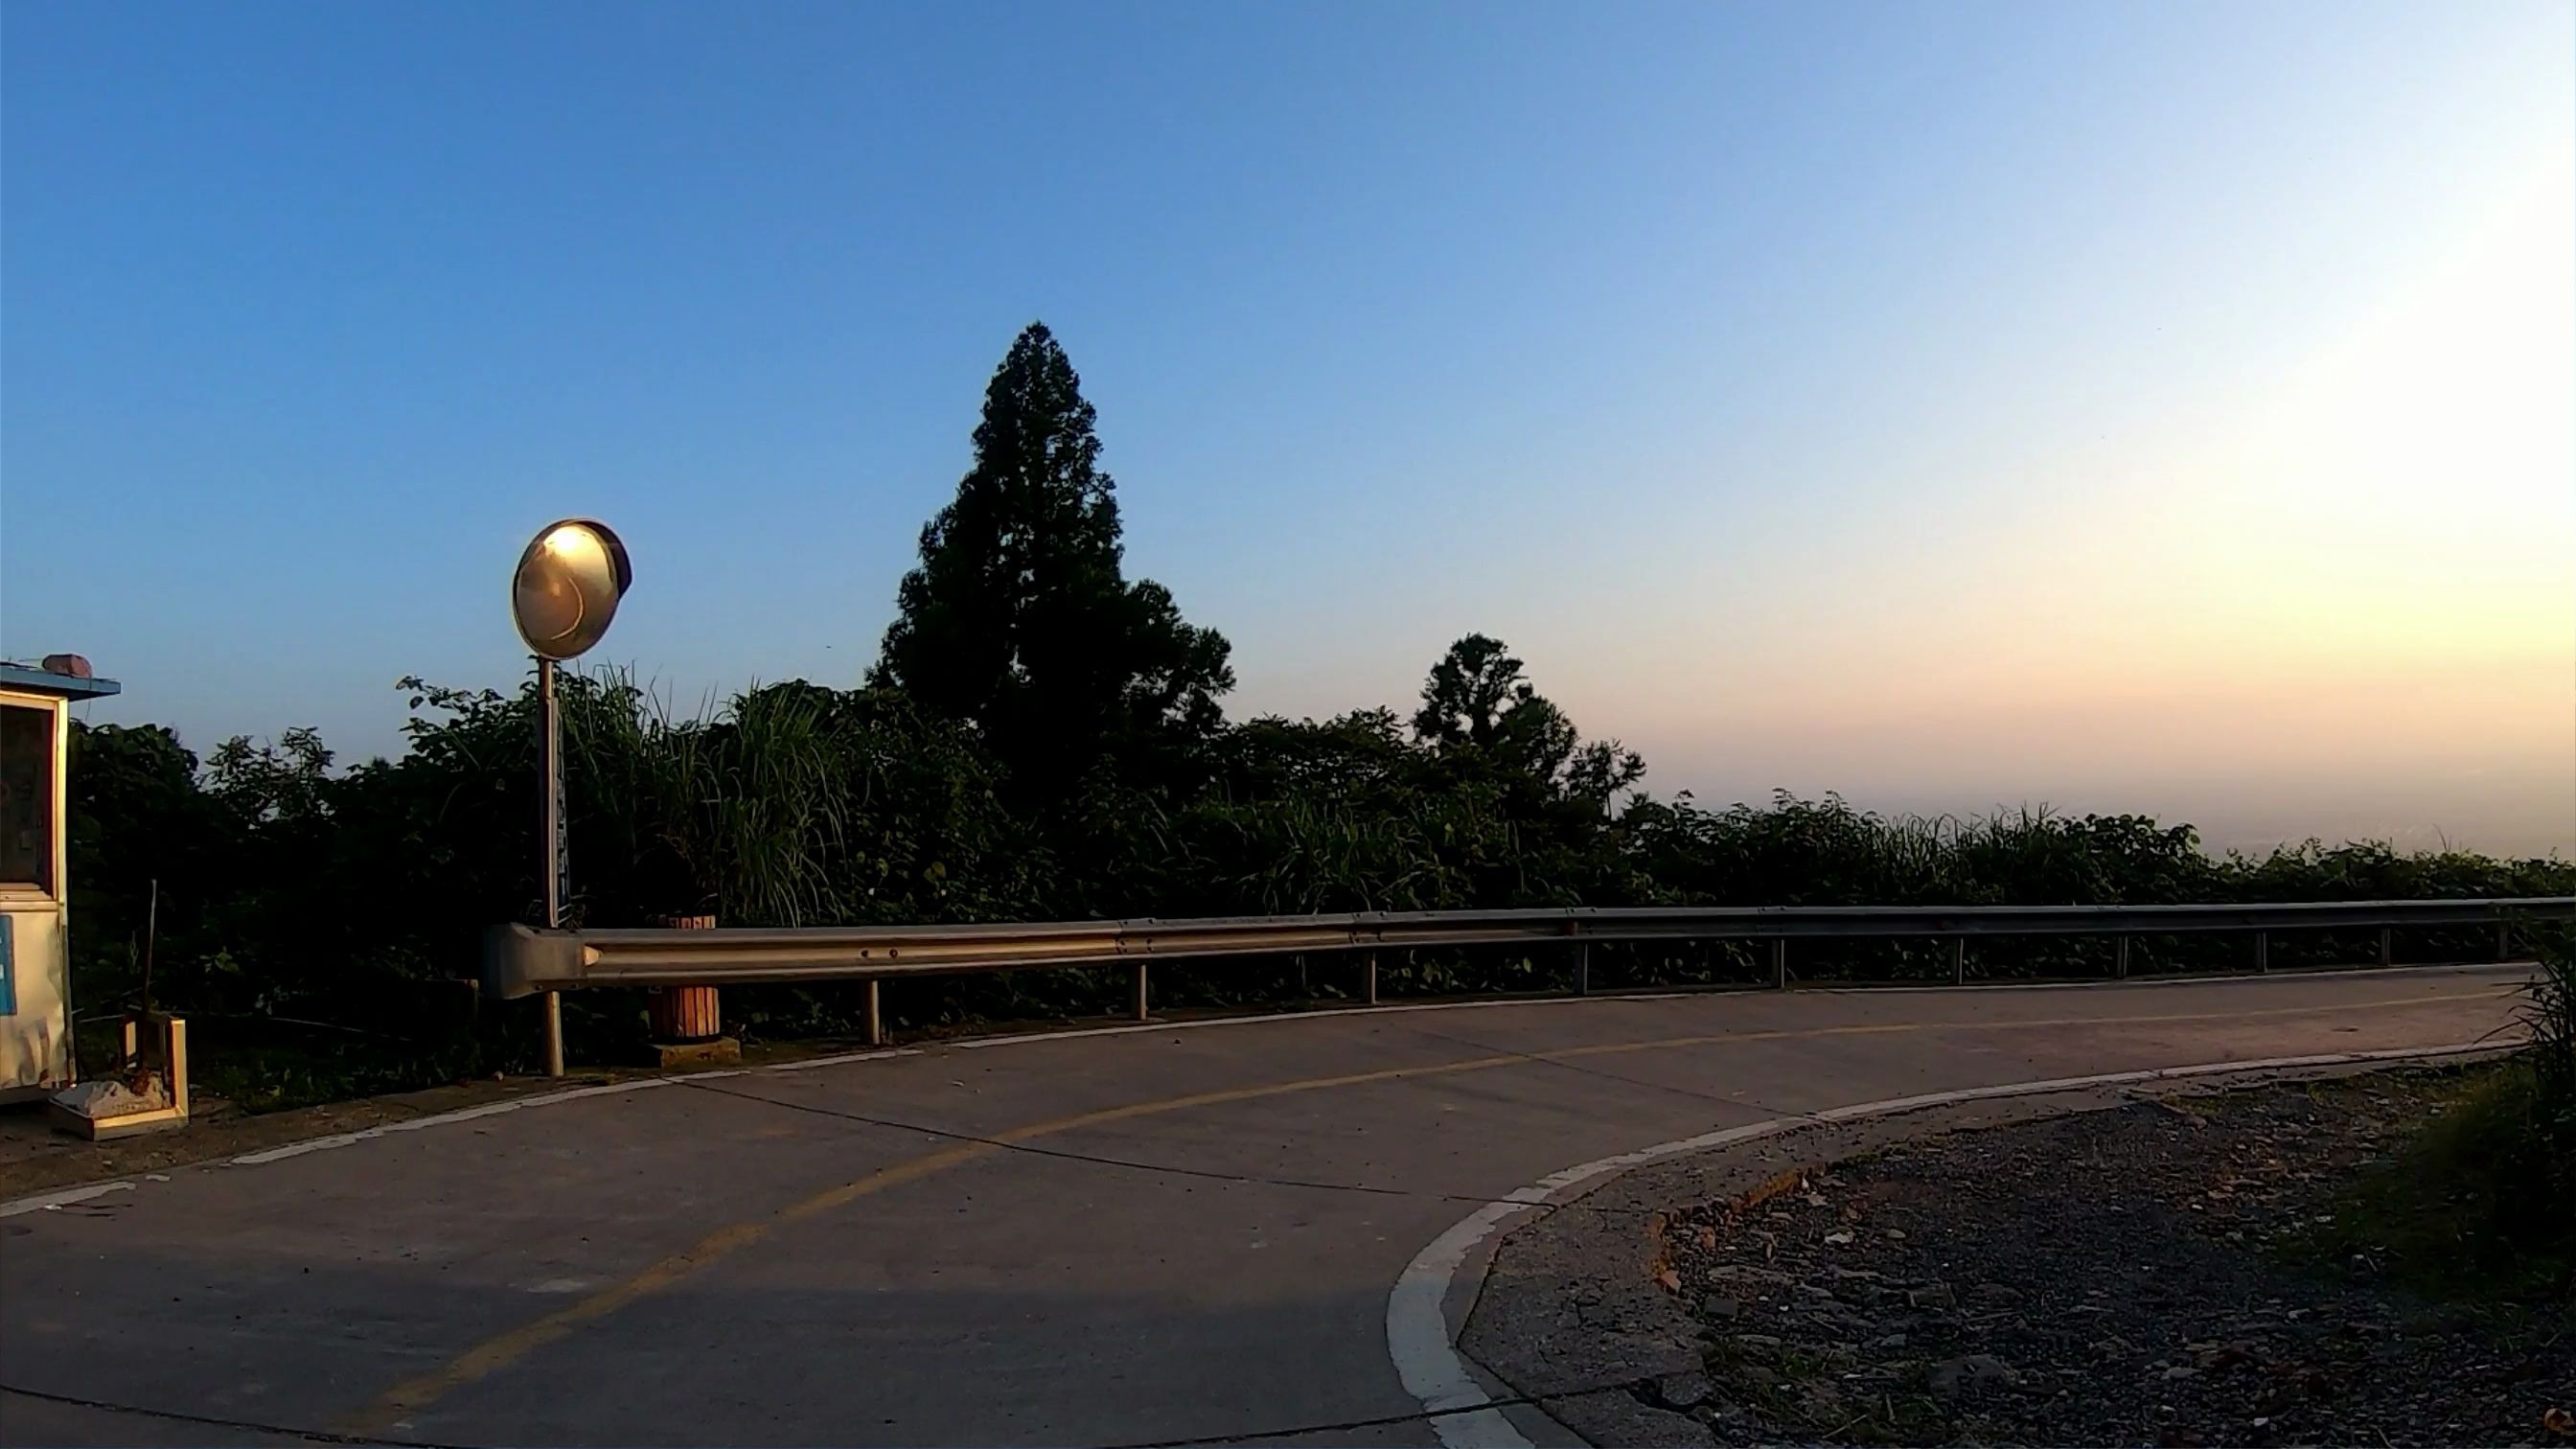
520	960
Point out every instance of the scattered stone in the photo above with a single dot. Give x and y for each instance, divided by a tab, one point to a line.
1975	1373
1838	1239
106	1097
1717	1308
1932	1295
1684	1391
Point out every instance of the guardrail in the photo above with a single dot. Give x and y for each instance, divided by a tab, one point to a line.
521	960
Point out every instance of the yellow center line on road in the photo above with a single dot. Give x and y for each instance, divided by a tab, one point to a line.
416	1394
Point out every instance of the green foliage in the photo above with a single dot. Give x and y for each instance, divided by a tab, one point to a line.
1478	706
291	891
2472	1207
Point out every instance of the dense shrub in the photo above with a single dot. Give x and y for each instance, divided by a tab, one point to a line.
291	890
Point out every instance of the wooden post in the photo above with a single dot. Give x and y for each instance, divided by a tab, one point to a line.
1779	963
876	1015
1141	992
2504	940
1369	983
2120	959
1582	965
2387	947
174	1056
685	1014
1958	960
2262	951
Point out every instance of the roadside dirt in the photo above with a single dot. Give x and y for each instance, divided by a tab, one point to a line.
2125	1272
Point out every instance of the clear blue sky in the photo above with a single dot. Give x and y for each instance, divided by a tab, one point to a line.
2152	406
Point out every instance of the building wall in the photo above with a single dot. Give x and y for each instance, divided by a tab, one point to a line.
35	1034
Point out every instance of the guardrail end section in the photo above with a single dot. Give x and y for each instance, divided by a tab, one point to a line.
521	960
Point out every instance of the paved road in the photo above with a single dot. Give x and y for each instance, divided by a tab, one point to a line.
1151	1235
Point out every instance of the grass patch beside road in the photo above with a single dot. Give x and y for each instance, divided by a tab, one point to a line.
2475	1207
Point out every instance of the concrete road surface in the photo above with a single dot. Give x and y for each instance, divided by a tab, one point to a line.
1150	1235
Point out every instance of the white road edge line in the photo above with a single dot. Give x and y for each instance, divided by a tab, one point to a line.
2286	974
1396	1009
442	1119
58	1198
810	1063
1423	1343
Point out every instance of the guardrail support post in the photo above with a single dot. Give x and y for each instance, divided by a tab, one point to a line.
2387	947
1370	980
2262	951
2120	958
1141	992
1779	963
2504	940
1582	967
1958	960
876	1015
554	1034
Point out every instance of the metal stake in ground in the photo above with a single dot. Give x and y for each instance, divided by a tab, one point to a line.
565	593
550	833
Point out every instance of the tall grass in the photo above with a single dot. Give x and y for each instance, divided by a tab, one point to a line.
2474	1207
2549	1012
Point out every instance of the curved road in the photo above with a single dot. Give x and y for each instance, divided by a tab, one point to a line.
1146	1235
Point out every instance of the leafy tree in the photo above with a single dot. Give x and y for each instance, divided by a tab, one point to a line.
1478	704
1019	620
138	820
1472	689
286	784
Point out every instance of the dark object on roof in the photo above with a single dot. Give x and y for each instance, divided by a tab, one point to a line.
55	679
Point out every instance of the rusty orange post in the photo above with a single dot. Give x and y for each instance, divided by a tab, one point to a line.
688	1021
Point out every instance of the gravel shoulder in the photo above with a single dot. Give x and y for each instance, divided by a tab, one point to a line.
2089	1267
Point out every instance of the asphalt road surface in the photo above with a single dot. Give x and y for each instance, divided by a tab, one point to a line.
1148	1235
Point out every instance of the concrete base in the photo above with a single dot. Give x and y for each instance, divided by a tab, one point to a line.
105	1129
722	1051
